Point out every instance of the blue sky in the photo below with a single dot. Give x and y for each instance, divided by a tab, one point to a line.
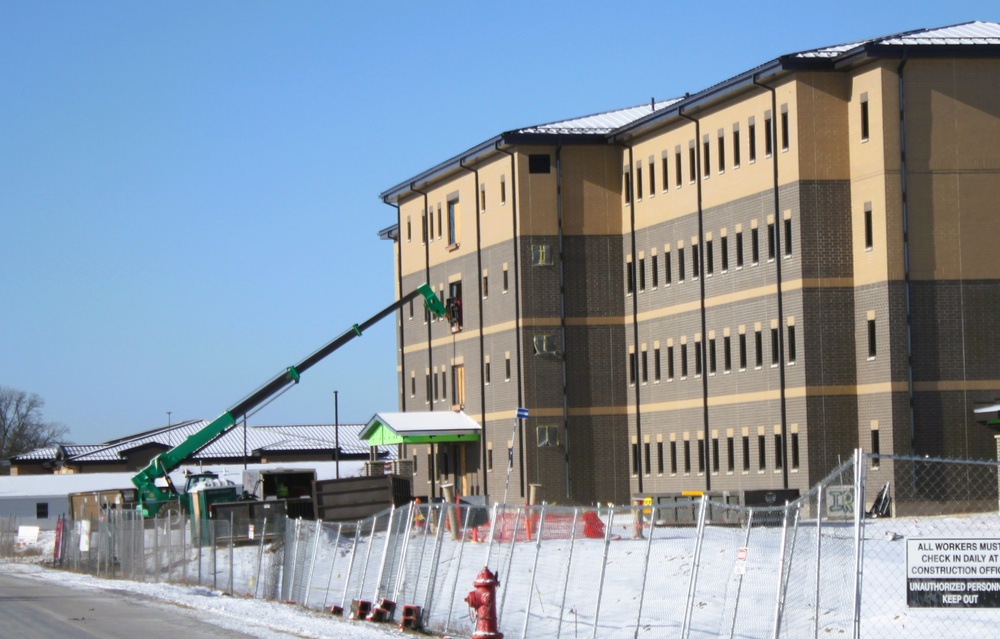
189	190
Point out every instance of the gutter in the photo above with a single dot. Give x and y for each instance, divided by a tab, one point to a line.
904	185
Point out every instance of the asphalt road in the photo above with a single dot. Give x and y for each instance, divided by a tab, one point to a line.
31	609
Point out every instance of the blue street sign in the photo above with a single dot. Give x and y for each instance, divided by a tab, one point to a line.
522	413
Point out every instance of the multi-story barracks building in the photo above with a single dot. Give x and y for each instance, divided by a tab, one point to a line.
722	292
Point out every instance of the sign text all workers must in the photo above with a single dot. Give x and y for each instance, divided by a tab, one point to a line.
946	573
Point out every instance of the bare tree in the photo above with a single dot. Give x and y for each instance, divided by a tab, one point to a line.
21	425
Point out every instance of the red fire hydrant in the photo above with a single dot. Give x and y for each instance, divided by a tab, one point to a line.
484	600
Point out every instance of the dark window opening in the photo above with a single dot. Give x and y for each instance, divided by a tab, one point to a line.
872	346
539	163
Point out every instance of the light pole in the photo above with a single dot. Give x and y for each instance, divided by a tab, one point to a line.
169	443
336	433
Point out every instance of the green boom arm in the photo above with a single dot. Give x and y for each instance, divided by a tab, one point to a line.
151	495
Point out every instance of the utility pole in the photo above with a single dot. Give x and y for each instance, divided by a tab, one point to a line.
336	433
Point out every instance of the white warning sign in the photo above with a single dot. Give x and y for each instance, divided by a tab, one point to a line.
946	573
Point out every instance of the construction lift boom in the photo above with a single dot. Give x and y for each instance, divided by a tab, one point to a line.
152	497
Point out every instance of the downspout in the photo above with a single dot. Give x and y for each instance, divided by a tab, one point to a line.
482	347
778	221
562	318
906	257
401	450
425	233
701	300
632	197
517	304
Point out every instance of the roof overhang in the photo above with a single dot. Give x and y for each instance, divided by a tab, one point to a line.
386	429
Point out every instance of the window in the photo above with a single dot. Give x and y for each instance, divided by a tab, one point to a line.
736	146
547	436
486	285
541	255
427	382
771	248
545	344
664	168
659	458
41	510
642	274
768	135
761	453
746	453
743	351
670	363
869	238
635	458
409	228
684	361
727	354
754	245
454	305
739	249
539	163
677	168
444	386
752	140
411	309
482	198
504	278
692	162
687	456
430	465
709	258
876	448
629	277
779	452
724	250
872	346
652	178
784	127
695	262
759	343
774	347
487	372
673	458
437	388
795	450
667	274
503	189
701	456
638	181
413	384
632	364
506	367
627	186
655	271
722	152
645	367
680	264
788	237
458	385
865	126
791	343
656	364
730	454
715	454
423	228
711	357
697	358
440	227
489	459
647	456
706	161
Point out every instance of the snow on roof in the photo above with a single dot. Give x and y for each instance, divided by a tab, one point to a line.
604	122
967	33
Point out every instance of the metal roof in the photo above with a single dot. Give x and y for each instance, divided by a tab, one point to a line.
604	122
315	437
967	34
424	423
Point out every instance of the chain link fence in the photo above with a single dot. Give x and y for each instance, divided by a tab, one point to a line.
884	546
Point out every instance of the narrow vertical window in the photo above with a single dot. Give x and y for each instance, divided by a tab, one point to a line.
656	364
872	346
506	365
701	455
659	458
722	152
632	365
768	135
779	452
743	351
684	361
774	347
629	277
673	458
486	285
666	172
680	264
695	262
711	357
730	454
788	237
645	367
504	278
761	452
635	458
791	343
647	455
692	162
785	133
795	450
736	146
667	274
487	372
654	270
670	363
746	453
865	126
752	141
503	189
409	228
652	178
687	456
724	252
452	222
755	246
482	198
869	237
876	447
638	181
709	257
727	354
678	178
771	248
423	228
707	160
715	454
759	343
697	358
739	249
642	274
627	186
